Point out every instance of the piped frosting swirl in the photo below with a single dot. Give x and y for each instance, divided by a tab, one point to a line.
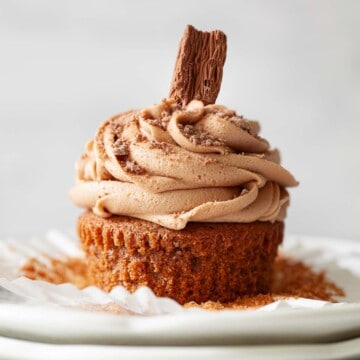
171	165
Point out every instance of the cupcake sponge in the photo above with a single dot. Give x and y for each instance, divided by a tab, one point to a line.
204	261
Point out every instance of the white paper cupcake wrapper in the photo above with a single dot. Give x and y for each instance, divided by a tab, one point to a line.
339	258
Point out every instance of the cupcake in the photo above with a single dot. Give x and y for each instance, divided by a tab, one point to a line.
184	196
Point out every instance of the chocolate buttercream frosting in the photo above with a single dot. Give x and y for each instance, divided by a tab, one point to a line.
171	164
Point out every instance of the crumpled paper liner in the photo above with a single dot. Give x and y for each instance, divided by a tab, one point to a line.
339	258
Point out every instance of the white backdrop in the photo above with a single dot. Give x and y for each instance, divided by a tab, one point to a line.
67	65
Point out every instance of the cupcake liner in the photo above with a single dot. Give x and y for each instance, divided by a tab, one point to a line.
339	258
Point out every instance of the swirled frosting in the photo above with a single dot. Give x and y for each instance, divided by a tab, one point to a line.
171	165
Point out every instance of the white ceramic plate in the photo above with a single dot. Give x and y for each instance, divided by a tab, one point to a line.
42	312
23	350
56	324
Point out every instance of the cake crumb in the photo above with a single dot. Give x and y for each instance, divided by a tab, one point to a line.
291	279
69	270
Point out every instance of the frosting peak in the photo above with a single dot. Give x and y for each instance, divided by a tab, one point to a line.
171	165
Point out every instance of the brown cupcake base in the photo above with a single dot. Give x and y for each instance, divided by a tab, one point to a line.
204	261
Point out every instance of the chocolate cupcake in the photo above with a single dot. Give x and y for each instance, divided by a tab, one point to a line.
184	196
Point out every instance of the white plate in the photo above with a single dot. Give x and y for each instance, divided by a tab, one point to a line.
43	312
56	324
22	350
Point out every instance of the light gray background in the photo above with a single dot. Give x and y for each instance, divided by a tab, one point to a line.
67	65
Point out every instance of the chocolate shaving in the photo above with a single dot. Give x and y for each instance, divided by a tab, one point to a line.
243	124
120	148
198	137
166	148
161	123
133	167
199	66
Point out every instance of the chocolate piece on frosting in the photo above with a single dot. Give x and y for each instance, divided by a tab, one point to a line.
199	66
